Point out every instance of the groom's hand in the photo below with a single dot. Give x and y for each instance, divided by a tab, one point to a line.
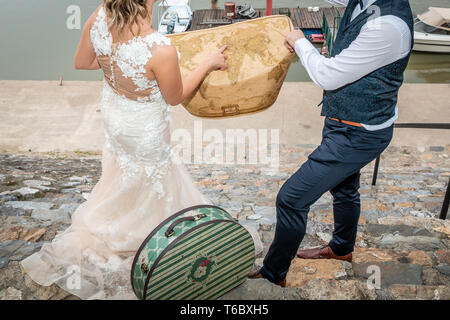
292	37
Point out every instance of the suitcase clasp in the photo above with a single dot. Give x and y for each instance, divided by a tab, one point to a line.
199	216
230	110
144	268
169	234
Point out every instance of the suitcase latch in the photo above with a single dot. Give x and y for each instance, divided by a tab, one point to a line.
230	110
199	216
144	268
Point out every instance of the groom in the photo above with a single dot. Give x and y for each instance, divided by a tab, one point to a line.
361	81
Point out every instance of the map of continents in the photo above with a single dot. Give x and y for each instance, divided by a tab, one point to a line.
257	65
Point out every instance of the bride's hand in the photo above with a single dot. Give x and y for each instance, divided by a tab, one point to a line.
218	60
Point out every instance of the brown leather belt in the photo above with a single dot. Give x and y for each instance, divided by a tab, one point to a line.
356	124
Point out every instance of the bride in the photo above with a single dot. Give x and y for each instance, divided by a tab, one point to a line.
142	181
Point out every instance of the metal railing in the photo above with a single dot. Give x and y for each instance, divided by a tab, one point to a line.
329	33
439	126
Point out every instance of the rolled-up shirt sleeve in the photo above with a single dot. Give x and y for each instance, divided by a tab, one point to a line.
381	42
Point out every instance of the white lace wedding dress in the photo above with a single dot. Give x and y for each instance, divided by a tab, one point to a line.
142	181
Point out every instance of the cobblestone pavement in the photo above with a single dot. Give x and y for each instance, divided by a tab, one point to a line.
399	231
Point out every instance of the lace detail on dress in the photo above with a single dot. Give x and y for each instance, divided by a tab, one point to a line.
132	57
136	117
100	36
141	184
139	134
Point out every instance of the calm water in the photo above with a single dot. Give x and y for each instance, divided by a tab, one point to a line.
37	45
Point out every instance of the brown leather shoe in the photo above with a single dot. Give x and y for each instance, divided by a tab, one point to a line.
257	275
322	253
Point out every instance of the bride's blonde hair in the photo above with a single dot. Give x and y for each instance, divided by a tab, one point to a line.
125	13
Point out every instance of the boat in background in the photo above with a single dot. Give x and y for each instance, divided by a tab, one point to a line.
176	18
314	35
432	31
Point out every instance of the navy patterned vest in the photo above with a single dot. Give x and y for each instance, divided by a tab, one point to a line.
371	99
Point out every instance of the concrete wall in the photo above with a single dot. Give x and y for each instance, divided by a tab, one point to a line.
43	117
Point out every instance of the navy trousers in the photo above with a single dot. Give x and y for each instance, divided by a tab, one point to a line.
334	166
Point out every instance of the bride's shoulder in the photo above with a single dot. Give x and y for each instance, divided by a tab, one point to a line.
161	44
158	40
96	19
164	50
99	13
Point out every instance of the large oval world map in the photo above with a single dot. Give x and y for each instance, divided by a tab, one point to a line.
258	63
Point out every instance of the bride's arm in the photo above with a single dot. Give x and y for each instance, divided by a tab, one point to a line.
85	57
164	65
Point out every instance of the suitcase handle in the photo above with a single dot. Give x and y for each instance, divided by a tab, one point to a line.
170	232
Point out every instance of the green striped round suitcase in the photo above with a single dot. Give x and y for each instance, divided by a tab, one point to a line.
199	253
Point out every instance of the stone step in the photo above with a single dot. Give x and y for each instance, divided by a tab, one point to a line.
303	270
315	289
418	292
377	230
385	274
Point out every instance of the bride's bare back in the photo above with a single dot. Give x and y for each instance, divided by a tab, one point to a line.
126	64
140	68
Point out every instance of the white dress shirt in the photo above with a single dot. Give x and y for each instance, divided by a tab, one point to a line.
382	41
